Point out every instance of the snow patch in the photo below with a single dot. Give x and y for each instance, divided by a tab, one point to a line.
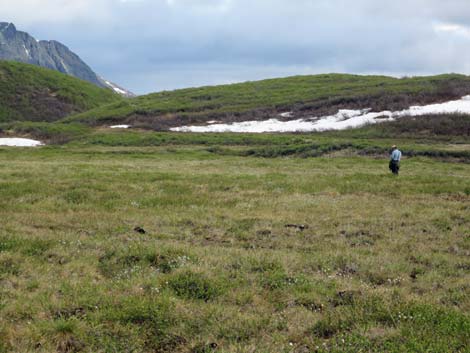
64	66
115	88
458	106
344	119
19	142
26	51
287	115
118	90
120	127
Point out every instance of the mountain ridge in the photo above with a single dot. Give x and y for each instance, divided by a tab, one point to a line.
22	47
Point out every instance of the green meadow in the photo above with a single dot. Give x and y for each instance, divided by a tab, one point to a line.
158	242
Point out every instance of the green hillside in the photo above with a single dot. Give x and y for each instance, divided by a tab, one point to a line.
31	93
305	95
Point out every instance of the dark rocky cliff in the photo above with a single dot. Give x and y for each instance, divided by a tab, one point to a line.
20	46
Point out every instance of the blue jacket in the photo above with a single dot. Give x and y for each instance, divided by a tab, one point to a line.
396	155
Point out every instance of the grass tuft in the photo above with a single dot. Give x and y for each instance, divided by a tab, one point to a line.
192	285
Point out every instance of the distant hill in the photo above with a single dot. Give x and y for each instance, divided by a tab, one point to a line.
301	96
32	93
22	47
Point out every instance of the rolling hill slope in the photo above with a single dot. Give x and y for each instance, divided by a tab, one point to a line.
31	93
302	95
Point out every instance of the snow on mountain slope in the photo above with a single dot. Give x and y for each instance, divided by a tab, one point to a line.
118	89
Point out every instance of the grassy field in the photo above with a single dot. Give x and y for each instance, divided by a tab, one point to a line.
188	245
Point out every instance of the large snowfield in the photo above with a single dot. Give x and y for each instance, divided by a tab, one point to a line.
344	119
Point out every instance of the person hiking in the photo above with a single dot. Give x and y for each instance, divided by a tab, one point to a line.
395	158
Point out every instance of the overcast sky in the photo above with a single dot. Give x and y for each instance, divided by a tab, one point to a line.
152	45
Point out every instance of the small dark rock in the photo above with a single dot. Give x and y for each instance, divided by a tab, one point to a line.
300	227
414	274
140	230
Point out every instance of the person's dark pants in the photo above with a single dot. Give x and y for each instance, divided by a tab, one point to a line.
394	167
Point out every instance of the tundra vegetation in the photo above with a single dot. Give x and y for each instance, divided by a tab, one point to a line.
148	241
139	241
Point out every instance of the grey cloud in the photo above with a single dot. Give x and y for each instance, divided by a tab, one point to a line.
149	45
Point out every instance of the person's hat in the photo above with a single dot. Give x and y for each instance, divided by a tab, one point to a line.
394	146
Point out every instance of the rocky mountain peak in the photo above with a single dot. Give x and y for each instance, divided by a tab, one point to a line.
7	29
22	47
